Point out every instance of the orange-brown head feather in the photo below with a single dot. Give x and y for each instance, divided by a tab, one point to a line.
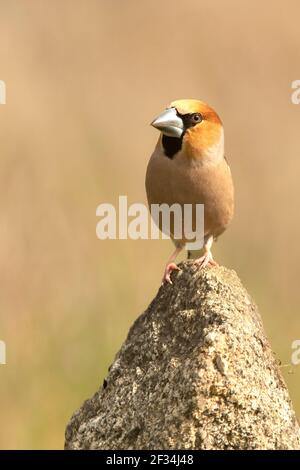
205	136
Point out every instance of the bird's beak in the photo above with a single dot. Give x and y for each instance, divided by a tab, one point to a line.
169	123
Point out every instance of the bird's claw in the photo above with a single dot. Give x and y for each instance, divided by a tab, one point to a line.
205	260
169	269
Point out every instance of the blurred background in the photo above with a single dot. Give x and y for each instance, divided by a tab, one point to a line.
84	79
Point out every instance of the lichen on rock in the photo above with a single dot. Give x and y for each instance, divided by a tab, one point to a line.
195	372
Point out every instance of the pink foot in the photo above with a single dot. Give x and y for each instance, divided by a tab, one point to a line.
169	268
205	260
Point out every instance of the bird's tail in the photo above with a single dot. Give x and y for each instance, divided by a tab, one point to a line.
194	254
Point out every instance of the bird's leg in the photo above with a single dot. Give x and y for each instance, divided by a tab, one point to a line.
207	258
171	266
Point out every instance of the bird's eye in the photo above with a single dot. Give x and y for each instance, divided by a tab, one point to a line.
196	118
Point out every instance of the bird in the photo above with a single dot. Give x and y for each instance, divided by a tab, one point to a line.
188	166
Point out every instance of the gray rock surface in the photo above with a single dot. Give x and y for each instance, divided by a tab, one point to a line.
195	372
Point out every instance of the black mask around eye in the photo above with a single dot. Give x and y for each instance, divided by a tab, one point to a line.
190	120
172	145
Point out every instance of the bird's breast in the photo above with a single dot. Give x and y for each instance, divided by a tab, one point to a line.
188	182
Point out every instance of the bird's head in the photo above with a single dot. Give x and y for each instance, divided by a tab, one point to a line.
191	126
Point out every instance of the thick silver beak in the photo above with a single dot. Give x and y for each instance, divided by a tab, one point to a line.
169	123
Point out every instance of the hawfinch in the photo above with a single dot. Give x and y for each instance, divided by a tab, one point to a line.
188	167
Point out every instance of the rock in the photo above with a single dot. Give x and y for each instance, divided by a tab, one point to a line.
195	372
